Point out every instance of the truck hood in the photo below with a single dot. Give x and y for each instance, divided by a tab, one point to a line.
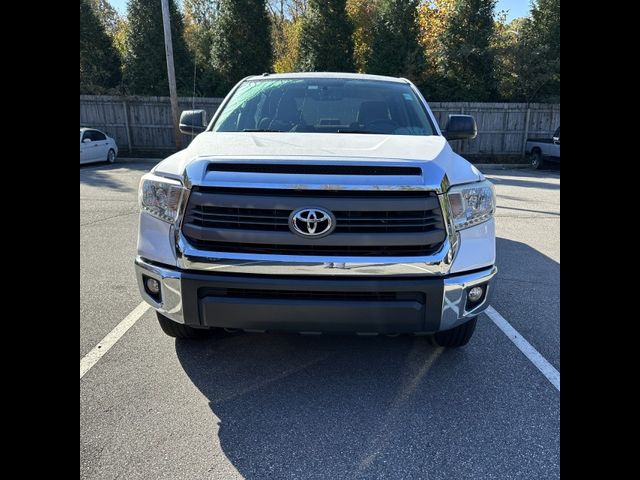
214	146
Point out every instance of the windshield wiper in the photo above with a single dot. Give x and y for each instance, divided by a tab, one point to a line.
260	130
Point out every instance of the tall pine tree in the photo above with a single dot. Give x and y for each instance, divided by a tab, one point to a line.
99	60
395	49
542	36
145	63
531	62
326	42
199	21
241	43
468	58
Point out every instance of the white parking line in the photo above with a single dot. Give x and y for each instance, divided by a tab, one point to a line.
96	353
525	347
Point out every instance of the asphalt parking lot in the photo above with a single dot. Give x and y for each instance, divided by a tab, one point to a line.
309	407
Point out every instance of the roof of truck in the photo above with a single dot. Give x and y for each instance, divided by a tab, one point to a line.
359	76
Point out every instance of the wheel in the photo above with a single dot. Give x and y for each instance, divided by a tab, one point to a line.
111	156
537	161
178	330
456	337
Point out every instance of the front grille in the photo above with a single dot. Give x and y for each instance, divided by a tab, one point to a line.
346	221
399	224
419	297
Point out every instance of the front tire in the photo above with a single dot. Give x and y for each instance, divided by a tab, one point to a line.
111	156
456	337
537	161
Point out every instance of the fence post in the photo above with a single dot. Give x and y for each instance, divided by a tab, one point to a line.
460	141
526	131
126	124
503	139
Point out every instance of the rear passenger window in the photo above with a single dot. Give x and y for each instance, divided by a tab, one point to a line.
97	136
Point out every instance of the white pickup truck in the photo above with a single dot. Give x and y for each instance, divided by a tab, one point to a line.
542	149
318	202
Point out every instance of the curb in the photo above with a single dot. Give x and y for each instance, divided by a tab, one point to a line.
138	160
500	166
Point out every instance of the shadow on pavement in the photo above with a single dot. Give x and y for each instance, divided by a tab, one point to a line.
527	293
98	174
528	210
292	406
522	180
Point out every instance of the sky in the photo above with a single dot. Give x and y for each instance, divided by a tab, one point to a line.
516	8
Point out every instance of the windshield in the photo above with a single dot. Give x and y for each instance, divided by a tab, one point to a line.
325	106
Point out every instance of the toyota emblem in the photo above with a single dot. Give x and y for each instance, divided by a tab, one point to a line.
312	222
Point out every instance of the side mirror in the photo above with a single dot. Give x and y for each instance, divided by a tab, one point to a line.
460	127
86	140
193	122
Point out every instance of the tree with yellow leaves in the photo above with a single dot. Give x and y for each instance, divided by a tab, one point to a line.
433	16
285	47
362	14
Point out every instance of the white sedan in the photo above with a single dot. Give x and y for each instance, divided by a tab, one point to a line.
96	146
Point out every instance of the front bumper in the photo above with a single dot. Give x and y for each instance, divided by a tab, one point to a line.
421	304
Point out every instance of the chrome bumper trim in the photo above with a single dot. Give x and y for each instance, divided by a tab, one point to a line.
454	310
170	288
190	258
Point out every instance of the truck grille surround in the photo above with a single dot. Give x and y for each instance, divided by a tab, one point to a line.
369	223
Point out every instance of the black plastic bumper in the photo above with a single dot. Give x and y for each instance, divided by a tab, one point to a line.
303	304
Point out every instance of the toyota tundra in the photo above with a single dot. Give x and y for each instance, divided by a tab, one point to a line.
318	203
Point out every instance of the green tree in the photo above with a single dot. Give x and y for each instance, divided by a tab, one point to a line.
395	49
241	44
537	56
326	42
528	55
362	14
285	32
199	21
145	63
505	44
286	46
99	60
107	15
467	55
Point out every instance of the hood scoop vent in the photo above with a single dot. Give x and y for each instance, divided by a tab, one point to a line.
313	169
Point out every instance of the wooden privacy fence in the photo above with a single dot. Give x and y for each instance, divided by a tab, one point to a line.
139	124
143	124
502	127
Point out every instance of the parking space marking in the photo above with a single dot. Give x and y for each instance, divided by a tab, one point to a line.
525	347
96	353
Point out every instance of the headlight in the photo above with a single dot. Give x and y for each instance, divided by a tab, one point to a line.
472	203
161	197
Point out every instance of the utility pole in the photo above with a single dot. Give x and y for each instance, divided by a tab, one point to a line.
171	73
